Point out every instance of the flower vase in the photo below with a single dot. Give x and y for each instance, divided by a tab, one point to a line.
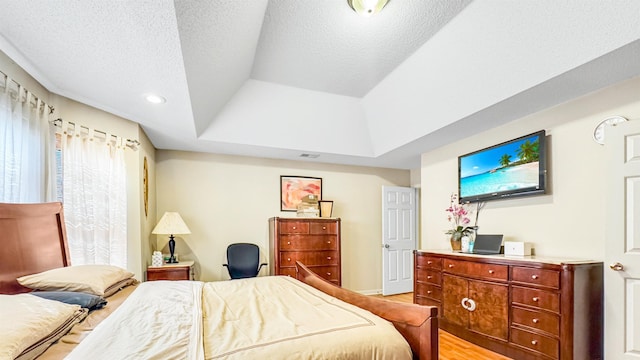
456	241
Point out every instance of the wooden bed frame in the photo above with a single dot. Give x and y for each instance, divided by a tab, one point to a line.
418	324
34	239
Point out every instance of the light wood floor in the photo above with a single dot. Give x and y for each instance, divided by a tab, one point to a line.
452	347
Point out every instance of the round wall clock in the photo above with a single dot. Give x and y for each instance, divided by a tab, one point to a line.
598	132
145	186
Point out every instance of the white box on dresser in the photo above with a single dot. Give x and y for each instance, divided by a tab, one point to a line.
517	248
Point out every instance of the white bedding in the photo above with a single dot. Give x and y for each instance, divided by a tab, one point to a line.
271	317
159	321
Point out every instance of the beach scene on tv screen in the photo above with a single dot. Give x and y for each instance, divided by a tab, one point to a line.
509	167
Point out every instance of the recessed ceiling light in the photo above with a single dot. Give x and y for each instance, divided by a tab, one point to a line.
367	8
155	99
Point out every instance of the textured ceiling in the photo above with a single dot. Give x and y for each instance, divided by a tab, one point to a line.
280	78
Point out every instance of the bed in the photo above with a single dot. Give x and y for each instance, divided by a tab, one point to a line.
214	314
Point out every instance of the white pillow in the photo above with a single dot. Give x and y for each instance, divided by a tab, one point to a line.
28	319
92	279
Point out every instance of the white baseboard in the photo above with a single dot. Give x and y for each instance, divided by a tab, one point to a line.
370	292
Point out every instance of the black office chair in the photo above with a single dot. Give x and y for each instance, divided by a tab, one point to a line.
242	260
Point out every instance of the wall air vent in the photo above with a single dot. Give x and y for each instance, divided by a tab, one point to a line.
310	156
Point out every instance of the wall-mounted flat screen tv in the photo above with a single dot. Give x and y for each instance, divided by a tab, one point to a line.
512	168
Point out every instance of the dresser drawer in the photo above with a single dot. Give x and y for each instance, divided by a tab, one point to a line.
542	299
538	320
323	228
533	276
476	270
289	258
543	344
294	227
330	273
429	276
288	272
428	290
488	271
168	273
297	242
429	262
455	266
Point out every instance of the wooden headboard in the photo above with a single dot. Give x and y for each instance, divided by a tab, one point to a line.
32	239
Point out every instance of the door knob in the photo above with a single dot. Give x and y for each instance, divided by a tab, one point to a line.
616	267
386	246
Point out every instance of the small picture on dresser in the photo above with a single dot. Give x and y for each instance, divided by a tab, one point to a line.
294	188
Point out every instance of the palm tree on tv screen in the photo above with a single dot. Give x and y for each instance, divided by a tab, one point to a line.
505	160
528	151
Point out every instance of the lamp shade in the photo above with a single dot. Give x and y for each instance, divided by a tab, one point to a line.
171	223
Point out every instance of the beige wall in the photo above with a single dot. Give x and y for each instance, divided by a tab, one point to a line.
569	220
148	220
227	199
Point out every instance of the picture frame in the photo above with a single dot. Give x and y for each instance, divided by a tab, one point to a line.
294	188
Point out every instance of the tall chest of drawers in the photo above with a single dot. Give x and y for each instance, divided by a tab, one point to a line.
313	241
524	308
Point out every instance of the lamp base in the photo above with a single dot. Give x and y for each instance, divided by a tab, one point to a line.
172	247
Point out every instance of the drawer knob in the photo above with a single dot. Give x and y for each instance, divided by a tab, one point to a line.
534	342
535	299
329	242
294	228
429	292
429	277
534	277
288	259
450	266
491	271
328	274
535	321
324	228
288	242
328	257
429	262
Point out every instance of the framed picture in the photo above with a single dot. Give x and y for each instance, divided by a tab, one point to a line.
294	188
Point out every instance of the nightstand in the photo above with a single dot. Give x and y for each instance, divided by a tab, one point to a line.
179	271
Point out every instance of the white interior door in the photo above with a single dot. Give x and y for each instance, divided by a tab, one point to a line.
399	228
622	249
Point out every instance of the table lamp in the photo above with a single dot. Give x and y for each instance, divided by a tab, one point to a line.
170	224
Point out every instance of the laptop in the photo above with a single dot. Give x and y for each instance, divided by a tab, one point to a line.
487	244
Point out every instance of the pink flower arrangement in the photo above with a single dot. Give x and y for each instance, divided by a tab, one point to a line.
458	216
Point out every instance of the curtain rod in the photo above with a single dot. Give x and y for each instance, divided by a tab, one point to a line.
51	108
130	143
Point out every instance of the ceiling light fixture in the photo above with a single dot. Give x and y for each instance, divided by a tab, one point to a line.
155	99
367	8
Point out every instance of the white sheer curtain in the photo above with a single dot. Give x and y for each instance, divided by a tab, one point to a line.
27	150
95	199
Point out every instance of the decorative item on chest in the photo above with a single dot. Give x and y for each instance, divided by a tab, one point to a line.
156	258
462	232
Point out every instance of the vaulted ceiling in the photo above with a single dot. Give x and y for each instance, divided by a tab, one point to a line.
285	78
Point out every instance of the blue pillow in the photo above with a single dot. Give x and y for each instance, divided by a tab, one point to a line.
85	300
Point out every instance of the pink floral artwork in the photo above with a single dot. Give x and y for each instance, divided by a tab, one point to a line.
294	188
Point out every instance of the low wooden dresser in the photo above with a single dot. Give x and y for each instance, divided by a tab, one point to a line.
523	307
178	271
313	241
